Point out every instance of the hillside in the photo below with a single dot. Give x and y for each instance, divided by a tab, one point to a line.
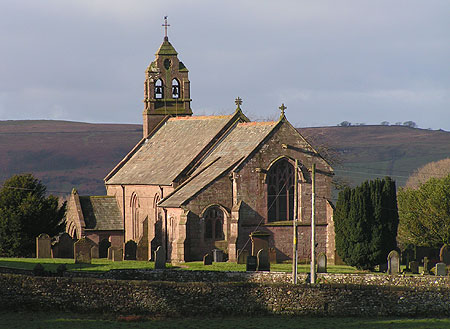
67	154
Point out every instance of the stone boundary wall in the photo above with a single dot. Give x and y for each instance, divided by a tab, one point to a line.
416	281
143	297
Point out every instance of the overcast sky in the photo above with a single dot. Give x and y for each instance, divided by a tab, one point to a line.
363	61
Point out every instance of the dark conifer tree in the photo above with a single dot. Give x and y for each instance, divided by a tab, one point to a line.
366	221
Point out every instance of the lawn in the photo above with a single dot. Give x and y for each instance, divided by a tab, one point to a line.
35	320
51	264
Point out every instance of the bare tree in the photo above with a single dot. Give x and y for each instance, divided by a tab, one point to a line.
437	169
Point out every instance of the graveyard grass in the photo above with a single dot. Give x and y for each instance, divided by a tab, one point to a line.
34	320
103	265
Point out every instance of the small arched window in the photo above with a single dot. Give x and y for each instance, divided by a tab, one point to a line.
175	88
159	89
214	220
135	216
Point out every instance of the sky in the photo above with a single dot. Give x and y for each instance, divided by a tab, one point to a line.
328	61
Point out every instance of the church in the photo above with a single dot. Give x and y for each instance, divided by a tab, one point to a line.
193	184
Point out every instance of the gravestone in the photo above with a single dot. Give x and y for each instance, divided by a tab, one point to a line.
142	246
260	240
251	263
441	269
444	255
43	246
117	254
94	252
272	256
218	255
116	241
82	251
414	267
263	260
110	253
321	263
130	250
242	256
393	262
160	258
207	259
63	247
426	264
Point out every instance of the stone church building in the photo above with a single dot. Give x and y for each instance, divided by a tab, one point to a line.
197	183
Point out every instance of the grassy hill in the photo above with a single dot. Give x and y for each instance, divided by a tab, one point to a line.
67	154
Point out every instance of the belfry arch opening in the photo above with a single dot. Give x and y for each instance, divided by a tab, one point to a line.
280	191
159	89
175	88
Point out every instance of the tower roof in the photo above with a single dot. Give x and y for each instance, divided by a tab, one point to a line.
167	49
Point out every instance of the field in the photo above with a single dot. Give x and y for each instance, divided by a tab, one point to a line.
103	265
20	320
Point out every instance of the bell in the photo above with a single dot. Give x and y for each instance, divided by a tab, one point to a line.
158	90
175	90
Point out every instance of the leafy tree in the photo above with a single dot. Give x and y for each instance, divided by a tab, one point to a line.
25	212
425	213
366	221
345	124
410	124
385	123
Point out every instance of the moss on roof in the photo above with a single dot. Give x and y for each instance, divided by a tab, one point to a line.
166	48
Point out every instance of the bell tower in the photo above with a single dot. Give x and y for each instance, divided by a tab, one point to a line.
166	90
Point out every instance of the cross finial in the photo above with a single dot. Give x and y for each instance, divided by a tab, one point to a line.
166	38
238	102
282	108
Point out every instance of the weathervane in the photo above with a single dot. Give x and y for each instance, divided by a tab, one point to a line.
238	102
166	38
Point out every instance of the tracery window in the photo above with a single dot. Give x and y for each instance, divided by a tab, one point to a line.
280	191
214	220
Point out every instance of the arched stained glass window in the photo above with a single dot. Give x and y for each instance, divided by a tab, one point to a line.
214	220
280	191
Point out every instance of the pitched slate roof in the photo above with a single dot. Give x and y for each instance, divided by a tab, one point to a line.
161	158
101	213
234	148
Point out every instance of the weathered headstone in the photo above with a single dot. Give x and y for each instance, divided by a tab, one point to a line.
242	256
63	246
218	255
251	263
260	240
142	253
263	260
116	241
130	250
444	255
426	269
82	251
117	254
272	256
441	269
393	262
43	246
321	263
414	267
94	252
207	259
160	258
110	253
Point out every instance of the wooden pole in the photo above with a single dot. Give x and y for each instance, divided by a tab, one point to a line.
313	228
294	225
